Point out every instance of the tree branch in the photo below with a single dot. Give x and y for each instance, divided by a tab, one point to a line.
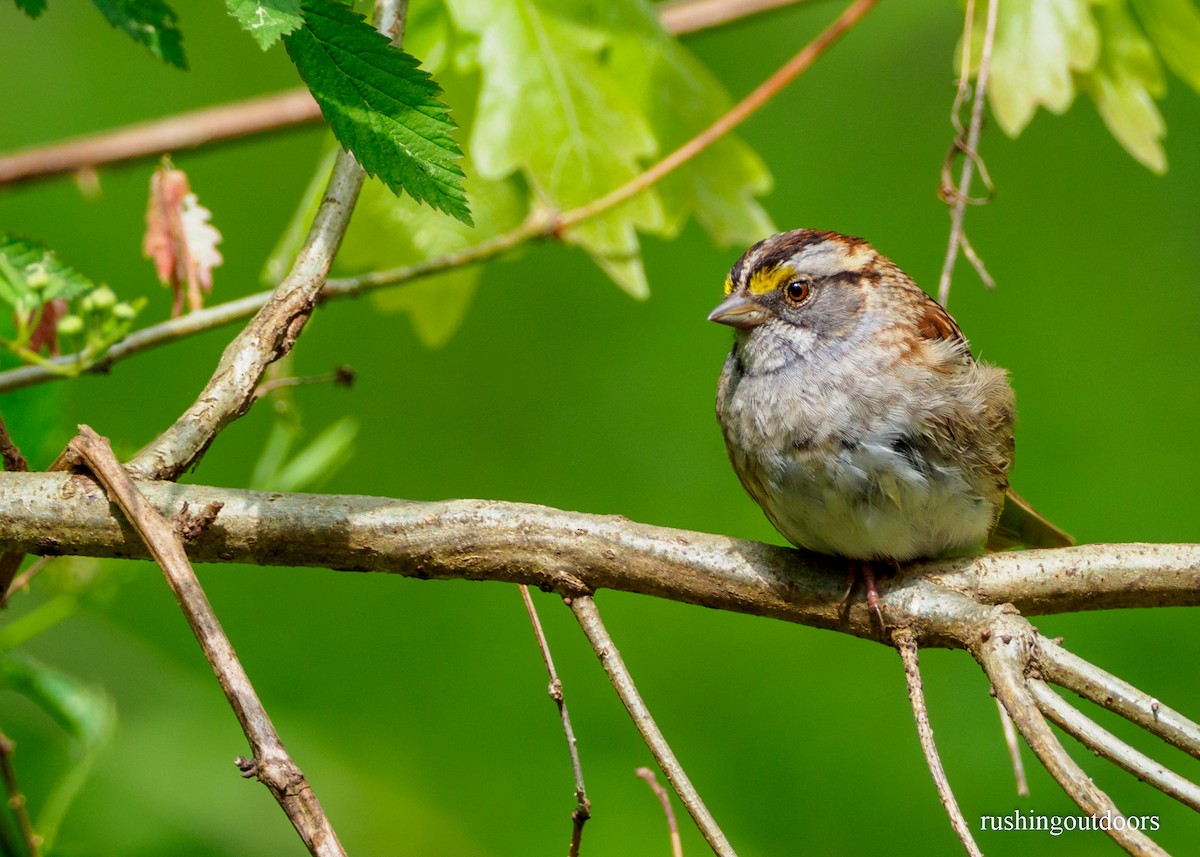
965	602
1108	745
585	611
916	694
272	764
572	553
583	807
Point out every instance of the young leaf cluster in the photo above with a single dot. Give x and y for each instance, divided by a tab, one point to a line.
1113	50
51	302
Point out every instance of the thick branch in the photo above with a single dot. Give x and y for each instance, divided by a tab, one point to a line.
571	552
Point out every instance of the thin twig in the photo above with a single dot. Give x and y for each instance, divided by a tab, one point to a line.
1014	751
16	798
1072	672
664	798
342	376
270	335
22	580
150	139
272	764
583	807
689	16
1098	739
959	194
906	643
539	224
227	122
14	462
1004	656
585	611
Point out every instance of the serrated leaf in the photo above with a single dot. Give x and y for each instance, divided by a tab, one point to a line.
1124	85
1175	27
1039	45
389	231
266	20
380	105
32	274
148	22
32	8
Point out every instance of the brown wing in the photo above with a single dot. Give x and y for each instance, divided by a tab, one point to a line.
1021	526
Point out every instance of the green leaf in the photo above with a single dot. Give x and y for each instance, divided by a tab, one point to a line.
149	22
32	274
1039	45
266	20
543	66
309	468
85	713
389	231
681	98
32	8
1175	27
380	105
608	92
1124	85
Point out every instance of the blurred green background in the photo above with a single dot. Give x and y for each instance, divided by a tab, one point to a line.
418	709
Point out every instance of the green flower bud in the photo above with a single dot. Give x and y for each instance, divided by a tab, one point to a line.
102	298
124	311
70	325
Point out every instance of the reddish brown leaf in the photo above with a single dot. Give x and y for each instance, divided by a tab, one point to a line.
179	238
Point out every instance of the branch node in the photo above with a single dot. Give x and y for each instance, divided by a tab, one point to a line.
190	525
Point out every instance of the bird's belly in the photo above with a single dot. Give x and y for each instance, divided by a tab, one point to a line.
871	503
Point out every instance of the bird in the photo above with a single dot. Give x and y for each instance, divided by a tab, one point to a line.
856	416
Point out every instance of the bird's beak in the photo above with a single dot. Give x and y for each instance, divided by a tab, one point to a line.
739	311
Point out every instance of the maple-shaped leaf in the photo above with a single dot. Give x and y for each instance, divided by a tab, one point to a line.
179	238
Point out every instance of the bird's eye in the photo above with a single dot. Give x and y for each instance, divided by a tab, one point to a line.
798	289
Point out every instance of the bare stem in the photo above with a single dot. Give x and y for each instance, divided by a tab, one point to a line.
664	798
583	807
16	798
958	195
1014	751
1104	743
1004	656
906	643
272	764
1092	683
22	580
585	611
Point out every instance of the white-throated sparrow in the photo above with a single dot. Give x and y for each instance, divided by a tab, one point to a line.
855	415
